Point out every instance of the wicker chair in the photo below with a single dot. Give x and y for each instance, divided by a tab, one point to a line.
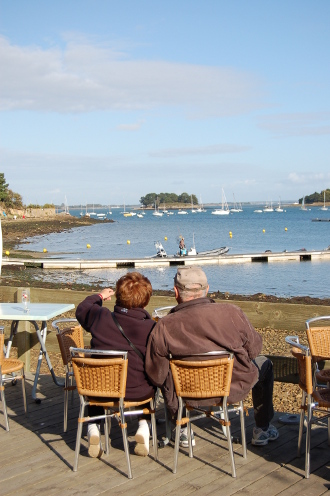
102	382
313	399
208	377
67	337
10	366
319	345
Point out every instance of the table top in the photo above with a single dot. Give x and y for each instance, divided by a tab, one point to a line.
37	311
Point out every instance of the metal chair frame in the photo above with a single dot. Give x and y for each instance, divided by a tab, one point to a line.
220	388
111	364
10	366
313	399
68	337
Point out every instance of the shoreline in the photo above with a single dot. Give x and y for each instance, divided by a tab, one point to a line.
17	231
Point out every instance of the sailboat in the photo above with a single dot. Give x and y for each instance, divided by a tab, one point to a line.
93	211
157	213
87	214
324	207
193	211
268	209
109	211
303	206
224	210
201	208
66	207
279	208
235	207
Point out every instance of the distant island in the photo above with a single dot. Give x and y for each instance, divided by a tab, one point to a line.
152	199
316	197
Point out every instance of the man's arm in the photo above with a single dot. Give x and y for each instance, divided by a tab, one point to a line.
252	340
156	359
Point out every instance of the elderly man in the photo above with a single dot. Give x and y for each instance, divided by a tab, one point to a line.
198	325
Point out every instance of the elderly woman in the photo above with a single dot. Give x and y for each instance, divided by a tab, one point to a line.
133	292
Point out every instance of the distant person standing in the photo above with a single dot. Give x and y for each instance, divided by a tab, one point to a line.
182	247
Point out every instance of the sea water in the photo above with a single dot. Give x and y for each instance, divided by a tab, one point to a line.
242	232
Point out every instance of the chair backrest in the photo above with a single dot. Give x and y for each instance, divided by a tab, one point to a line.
68	337
319	342
206	378
104	376
302	354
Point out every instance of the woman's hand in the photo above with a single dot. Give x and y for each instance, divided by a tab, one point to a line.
106	293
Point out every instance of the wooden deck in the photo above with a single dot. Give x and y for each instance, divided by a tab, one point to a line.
37	457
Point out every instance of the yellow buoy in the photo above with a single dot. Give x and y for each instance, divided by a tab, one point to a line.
264	230
88	245
128	242
285	229
230	233
45	250
7	253
165	238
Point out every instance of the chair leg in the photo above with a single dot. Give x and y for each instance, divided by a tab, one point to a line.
301	421
154	429
191	454
79	433
24	393
308	436
243	436
66	393
125	441
230	443
177	436
4	406
107	432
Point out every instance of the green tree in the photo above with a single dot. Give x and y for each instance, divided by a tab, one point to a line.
14	200
184	198
148	200
3	188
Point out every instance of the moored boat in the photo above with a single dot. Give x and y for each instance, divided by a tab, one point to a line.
161	252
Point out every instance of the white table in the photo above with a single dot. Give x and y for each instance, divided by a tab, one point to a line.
38	312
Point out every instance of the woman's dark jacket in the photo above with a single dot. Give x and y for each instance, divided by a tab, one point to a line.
136	323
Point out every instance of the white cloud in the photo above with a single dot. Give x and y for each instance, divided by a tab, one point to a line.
308	179
201	150
87	77
297	124
130	127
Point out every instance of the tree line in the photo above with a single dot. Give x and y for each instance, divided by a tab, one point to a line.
316	197
157	199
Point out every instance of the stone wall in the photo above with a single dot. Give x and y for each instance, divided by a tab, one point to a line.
28	213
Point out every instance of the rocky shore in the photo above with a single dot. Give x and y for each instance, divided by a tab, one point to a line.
17	231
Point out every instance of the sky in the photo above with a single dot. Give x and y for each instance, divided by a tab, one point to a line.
104	101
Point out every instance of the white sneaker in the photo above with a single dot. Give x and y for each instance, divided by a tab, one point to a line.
184	437
142	439
95	449
261	438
